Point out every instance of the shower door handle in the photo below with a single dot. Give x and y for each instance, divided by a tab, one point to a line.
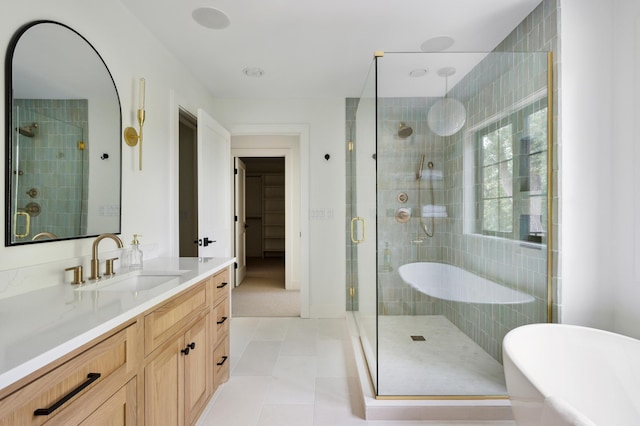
27	224
354	240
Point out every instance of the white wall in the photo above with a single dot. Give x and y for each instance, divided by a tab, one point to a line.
599	193
585	162
119	37
131	53
325	118
625	182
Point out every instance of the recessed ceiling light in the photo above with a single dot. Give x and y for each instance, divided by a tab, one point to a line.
437	44
253	72
419	72
211	18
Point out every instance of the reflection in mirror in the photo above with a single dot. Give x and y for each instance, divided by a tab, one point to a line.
63	138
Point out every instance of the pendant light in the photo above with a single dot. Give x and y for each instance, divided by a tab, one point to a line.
447	116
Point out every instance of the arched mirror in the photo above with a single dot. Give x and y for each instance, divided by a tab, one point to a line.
63	127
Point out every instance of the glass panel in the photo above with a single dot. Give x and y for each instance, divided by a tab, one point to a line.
506	215
59	110
491	181
491	215
490	145
435	193
52	172
361	228
506	179
537	129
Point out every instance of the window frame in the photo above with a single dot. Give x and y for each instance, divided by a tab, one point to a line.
521	156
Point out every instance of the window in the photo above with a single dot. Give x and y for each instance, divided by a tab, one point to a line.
511	173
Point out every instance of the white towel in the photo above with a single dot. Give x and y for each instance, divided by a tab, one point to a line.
435	214
430	209
432	174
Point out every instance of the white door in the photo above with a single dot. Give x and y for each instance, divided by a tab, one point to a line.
214	188
240	221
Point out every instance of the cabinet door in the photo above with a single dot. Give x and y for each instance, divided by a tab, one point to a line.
119	410
196	371
163	378
221	363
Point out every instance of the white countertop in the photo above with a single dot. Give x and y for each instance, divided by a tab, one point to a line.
43	325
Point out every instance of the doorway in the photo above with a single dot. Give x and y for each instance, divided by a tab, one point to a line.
265	207
188	184
204	209
290	141
263	291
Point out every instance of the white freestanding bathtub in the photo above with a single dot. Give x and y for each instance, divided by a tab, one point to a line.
449	282
560	374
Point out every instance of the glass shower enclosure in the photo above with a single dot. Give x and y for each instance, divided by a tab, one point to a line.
448	201
51	170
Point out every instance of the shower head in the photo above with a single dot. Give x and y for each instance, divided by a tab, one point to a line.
404	131
25	131
28	131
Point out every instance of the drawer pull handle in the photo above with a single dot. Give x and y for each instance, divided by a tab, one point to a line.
190	346
224	359
222	320
223	285
91	377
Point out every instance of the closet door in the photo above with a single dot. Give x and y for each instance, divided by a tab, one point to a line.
240	220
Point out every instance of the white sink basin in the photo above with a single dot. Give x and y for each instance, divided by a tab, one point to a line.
139	281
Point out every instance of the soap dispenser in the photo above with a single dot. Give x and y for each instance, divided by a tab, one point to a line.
135	254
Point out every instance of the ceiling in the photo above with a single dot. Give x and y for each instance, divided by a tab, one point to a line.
321	48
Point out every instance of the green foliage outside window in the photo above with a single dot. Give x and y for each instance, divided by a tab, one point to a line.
512	175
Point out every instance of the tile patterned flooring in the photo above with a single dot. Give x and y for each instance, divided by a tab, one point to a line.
448	362
294	372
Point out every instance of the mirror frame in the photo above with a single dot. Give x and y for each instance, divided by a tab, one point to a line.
9	134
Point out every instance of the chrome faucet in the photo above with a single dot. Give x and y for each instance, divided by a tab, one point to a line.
95	262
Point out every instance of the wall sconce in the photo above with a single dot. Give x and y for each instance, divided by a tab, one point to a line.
131	136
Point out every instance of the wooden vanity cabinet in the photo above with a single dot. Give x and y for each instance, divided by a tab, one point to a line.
180	338
176	379
220	319
160	368
100	379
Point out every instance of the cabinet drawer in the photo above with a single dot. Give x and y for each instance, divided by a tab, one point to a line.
221	321
221	363
221	285
118	408
165	321
109	361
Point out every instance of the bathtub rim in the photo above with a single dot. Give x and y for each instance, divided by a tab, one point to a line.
507	344
525	405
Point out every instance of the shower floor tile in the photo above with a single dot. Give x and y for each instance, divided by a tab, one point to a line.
447	362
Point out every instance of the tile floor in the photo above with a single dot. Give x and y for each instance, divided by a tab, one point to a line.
294	372
448	362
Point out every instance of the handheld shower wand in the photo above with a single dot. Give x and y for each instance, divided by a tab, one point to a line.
423	225
419	174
